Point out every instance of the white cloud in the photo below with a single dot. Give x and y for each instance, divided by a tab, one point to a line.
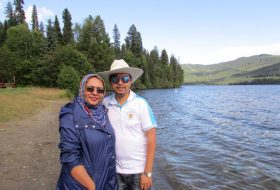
43	14
28	13
232	53
3	3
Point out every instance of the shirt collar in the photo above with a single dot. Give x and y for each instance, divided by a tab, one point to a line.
113	100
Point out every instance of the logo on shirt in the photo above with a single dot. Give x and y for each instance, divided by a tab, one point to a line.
130	115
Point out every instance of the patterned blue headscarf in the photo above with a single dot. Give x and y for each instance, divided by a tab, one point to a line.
97	112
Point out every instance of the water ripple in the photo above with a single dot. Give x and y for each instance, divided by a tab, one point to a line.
217	137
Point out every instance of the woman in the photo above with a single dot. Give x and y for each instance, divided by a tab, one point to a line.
87	141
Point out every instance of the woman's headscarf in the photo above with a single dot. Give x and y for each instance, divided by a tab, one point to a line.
97	112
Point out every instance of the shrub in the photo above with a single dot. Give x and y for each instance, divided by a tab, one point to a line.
69	78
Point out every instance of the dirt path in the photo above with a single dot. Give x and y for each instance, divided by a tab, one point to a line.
29	157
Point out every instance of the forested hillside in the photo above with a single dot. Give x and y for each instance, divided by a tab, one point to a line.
51	55
258	69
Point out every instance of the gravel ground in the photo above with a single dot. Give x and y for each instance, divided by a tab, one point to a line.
29	157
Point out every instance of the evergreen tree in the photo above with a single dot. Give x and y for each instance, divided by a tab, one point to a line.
76	32
153	68
138	45
35	22
39	44
51	39
85	35
19	12
99	52
170	78
10	14
117	43
178	73
133	41
57	31
99	31
164	57
164	68
173	63
146	77
42	28
3	32
7	64
67	29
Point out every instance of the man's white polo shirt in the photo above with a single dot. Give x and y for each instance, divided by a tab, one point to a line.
130	122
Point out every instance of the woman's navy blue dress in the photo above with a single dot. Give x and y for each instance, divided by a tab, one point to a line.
84	142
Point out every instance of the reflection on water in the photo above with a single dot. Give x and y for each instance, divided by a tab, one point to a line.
217	137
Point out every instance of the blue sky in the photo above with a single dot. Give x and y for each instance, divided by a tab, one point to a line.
195	31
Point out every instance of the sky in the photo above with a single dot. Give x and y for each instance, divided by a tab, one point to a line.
194	31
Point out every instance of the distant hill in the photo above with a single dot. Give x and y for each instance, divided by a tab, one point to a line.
258	69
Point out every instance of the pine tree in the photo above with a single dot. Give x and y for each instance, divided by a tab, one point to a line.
42	28
117	43
138	45
67	29
51	39
86	35
173	63
76	32
154	67
164	57
57	31
99	31
178	73
164	68
133	41
35	22
3	32
99	53
10	14
19	12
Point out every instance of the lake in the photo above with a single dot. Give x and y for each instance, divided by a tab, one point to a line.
217	137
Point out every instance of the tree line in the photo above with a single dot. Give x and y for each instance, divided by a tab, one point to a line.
54	56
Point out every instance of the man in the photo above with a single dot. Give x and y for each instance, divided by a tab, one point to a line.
134	125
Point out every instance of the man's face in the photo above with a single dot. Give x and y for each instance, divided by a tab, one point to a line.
121	83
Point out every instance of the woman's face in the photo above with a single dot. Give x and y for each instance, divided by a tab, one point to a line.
94	91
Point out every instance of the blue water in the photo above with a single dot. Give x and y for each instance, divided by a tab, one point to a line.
217	137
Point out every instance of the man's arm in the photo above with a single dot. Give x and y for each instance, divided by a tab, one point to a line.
151	149
146	182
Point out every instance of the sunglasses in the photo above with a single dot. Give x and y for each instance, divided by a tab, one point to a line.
116	80
98	89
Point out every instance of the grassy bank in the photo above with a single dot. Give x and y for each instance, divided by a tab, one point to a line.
18	103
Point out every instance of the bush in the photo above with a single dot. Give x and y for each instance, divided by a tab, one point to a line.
69	78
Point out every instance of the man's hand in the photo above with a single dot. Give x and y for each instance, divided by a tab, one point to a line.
145	182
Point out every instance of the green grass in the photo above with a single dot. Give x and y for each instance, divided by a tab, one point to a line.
18	103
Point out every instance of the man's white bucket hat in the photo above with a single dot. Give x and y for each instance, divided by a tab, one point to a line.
120	66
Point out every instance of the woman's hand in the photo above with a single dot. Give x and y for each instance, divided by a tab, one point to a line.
80	174
92	187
